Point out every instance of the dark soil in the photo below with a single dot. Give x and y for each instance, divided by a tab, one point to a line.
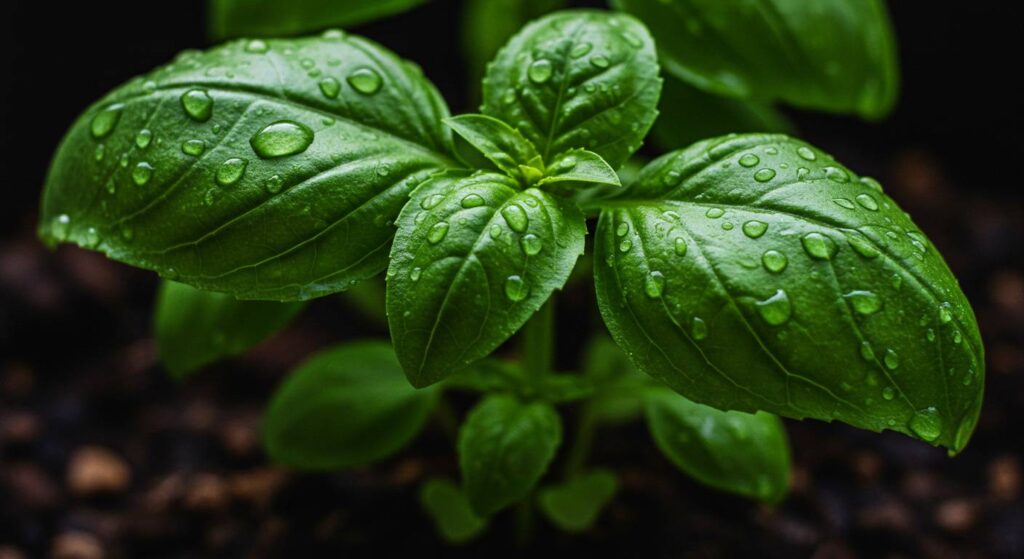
102	455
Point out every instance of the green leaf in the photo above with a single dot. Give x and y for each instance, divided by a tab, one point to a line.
261	18
577	169
345	407
195	328
689	114
265	169
498	142
473	259
505	446
756	273
835	56
488	24
577	79
574	505
620	389
447	505
732	451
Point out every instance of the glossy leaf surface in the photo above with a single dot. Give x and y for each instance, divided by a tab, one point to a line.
756	273
266	169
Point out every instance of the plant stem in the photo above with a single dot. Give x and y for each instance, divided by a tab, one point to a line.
582	441
538	343
524	522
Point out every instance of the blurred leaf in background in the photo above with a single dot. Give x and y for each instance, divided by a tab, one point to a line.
262	18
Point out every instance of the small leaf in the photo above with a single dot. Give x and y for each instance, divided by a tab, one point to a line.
345	407
262	18
265	169
505	446
834	56
577	169
195	328
501	144
755	272
447	505
620	388
732	451
688	114
577	79
473	259
575	505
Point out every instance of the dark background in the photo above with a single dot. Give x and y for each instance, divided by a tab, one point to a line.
78	371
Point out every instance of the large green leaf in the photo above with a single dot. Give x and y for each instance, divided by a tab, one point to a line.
505	446
237	18
742	453
347	406
577	79
689	114
473	259
267	169
838	55
195	328
755	273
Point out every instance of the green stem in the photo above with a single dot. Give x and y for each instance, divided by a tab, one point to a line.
538	343
582	442
524	522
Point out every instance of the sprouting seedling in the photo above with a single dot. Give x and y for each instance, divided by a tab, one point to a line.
751	273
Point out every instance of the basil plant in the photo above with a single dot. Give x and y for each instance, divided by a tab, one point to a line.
742	278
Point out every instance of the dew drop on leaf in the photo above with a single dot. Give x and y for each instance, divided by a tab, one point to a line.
365	80
654	284
516	288
99	152
579	50
495	231
60	227
142	172
699	329
256	46
819	246
888	393
806	153
531	244
945	315
891	359
431	201
867	202
415	274
625	245
871	183
231	171
144	138
774	261
679	245
92	237
622	229
197	104
193	147
516	218
330	87
281	138
926	424
862	246
836	174
714	213
600	61
866	351
754	229
845	203
540	71
764	175
472	201
105	121
274	184
776	309
864	302
749	160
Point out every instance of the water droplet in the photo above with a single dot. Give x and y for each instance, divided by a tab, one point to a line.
256	46
891	359
806	153
415	273
143	138
60	227
330	87
749	160
714	213
728	226
193	147
197	104
516	288
230	171
867	202
632	39
774	261
864	302
625	245
861	245
871	183
495	231
699	329
836	174
365	80
580	49
764	175
99	152
672	178
888	393
776	309
654	285
92	237
679	245
622	229
599	61
866	351
123	160
845	203
280	139
472	201
142	172
926	423
105	121
431	201
531	244
754	229
437	232
819	246
515	217
540	71
945	315
274	184
957	337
